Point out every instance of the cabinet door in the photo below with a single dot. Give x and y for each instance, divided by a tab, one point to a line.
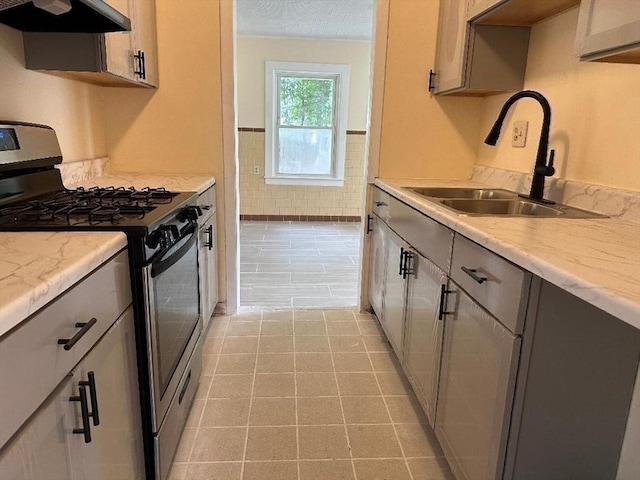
479	359
115	451
377	264
144	16
453	36
609	27
424	330
42	448
208	270
394	292
118	45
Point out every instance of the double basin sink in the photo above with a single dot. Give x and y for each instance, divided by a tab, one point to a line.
497	202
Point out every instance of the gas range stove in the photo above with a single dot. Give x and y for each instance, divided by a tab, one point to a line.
163	240
136	212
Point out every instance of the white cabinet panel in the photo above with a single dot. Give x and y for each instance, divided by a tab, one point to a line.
208	269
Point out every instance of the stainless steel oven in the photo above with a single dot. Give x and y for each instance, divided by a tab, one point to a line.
171	302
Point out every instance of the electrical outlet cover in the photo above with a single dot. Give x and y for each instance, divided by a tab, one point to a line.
256	170
519	136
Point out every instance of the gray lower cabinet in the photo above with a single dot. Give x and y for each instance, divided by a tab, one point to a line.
207	255
476	388
377	265
392	320
424	328
208	269
52	445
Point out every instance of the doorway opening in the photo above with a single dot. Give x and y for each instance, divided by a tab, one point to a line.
303	77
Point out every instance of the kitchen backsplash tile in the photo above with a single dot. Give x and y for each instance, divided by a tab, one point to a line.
623	204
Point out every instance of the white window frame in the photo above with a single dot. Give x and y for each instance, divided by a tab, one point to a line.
341	96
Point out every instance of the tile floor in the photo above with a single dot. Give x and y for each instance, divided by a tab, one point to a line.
299	264
304	395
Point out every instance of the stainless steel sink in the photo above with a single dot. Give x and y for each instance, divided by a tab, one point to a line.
496	202
471	193
515	208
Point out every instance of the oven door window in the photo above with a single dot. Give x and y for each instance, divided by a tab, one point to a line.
175	311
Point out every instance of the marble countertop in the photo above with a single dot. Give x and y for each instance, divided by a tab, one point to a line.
597	260
178	183
36	267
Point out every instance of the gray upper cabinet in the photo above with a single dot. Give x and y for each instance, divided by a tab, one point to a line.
477	59
609	31
515	12
111	59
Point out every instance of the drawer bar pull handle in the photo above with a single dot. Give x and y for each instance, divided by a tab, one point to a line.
84	328
380	204
84	409
94	397
472	273
443	300
402	254
209	242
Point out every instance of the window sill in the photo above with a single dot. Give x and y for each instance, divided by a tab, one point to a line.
305	181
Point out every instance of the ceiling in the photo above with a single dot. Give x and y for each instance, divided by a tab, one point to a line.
320	19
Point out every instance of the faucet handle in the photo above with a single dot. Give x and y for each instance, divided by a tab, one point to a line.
549	169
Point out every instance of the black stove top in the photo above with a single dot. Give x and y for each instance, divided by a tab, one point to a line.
112	208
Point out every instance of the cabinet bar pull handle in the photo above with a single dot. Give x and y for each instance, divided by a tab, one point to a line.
472	273
209	243
402	252
405	264
142	68
84	409
380	204
84	328
432	85
94	397
443	300
369	229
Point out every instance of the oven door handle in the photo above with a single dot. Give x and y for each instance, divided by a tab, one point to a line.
161	264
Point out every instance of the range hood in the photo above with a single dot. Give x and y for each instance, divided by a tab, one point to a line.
84	16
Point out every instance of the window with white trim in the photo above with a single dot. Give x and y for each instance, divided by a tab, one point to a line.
305	123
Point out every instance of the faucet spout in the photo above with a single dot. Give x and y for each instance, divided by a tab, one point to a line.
541	169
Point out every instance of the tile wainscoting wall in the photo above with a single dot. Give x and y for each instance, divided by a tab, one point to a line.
258	200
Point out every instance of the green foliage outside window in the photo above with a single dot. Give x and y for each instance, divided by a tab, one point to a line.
306	102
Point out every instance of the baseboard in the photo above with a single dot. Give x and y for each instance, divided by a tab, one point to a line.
302	218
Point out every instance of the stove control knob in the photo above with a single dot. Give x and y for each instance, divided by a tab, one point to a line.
190	214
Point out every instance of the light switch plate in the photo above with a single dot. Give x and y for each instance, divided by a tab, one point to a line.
519	136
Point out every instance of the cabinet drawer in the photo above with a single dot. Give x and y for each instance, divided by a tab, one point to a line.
207	202
32	350
499	286
427	236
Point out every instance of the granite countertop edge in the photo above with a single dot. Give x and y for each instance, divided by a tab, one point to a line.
37	267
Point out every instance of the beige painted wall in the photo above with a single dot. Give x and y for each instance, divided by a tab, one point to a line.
256	198
595	123
72	108
252	52
177	128
422	136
